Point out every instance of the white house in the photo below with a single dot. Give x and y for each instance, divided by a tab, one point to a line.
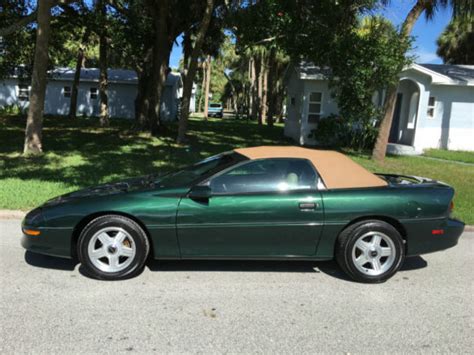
434	109
122	92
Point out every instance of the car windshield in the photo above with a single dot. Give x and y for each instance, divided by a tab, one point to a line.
215	105
199	171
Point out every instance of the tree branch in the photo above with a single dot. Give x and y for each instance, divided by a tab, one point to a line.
5	31
119	7
26	20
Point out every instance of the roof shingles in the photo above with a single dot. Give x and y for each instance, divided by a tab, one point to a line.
460	73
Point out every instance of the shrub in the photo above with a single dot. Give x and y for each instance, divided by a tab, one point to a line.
334	130
10	110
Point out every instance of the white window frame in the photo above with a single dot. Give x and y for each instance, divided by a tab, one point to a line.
22	89
93	93
67	93
320	103
431	107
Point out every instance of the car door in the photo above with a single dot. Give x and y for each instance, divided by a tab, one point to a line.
259	208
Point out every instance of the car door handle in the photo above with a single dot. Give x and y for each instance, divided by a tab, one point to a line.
308	205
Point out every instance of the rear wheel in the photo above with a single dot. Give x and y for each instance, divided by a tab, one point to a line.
113	247
370	251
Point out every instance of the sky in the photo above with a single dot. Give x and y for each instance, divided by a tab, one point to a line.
425	32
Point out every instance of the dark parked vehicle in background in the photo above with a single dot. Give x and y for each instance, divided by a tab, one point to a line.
251	203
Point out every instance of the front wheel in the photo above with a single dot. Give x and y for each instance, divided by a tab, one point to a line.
113	247
370	251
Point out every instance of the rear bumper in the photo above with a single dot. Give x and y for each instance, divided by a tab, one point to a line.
421	240
51	241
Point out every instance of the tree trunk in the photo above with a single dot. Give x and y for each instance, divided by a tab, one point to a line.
75	84
263	101
77	75
259	100
191	72
187	53
255	85
103	65
142	101
380	148
207	86
161	52
251	113
272	68
203	84
34	121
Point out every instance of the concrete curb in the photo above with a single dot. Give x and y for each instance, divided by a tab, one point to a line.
468	228
12	214
17	214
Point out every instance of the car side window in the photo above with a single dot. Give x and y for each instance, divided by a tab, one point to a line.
266	175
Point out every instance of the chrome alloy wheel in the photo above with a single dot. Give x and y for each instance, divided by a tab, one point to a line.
373	253
111	249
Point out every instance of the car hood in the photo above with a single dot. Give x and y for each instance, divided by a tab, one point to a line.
118	187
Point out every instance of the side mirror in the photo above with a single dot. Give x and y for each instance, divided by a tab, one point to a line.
200	193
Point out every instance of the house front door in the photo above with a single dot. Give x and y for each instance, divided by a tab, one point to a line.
395	129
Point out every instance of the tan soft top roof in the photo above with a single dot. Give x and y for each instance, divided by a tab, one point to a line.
336	170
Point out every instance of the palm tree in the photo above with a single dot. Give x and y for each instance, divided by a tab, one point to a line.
429	7
456	43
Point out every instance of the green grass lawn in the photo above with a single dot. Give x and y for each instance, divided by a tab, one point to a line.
80	153
454	155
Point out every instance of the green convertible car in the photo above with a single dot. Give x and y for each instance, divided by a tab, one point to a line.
250	203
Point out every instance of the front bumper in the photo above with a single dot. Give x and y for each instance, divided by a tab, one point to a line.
421	239
50	241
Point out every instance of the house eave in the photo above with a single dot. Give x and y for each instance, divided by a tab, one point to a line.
95	81
436	78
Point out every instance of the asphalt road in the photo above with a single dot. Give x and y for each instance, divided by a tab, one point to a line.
48	306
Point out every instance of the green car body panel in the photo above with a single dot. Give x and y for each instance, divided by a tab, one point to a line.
248	225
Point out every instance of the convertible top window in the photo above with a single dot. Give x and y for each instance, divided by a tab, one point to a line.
266	175
205	168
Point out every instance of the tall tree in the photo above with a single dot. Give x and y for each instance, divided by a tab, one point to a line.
456	43
77	74
429	7
103	64
207	85
163	42
34	122
203	84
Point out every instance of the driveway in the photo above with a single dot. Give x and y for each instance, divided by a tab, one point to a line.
48	306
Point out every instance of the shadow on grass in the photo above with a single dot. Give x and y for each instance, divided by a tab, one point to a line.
80	153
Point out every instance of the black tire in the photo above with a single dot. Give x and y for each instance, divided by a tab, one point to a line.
138	239
345	249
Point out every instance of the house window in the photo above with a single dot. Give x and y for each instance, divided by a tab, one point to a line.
293	101
431	107
315	107
23	93
67	91
93	93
